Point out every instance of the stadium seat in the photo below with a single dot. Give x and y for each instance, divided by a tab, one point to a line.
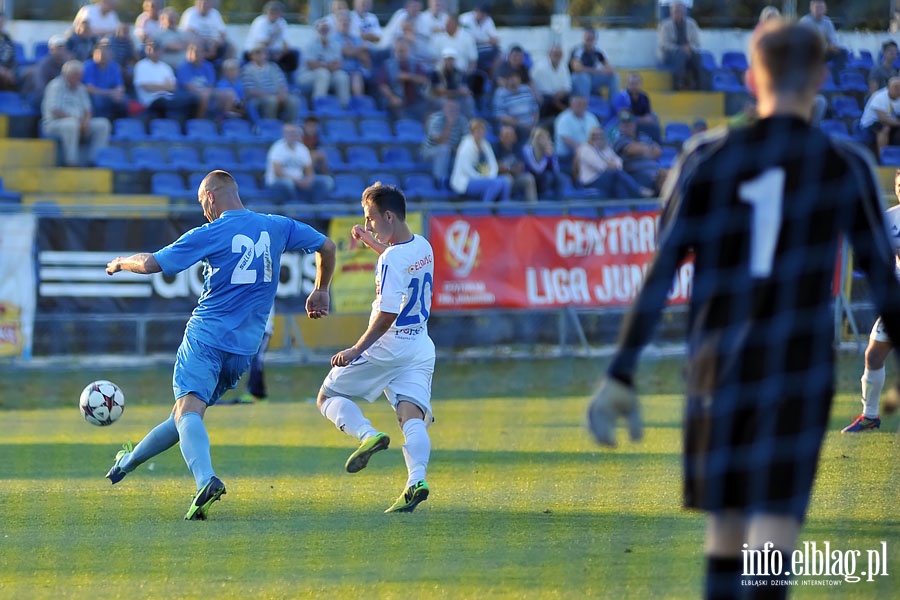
851	80
667	157
676	133
201	130
364	106
347	186
41	49
734	60
384	178
601	107
12	103
375	131
363	158
329	106
845	107
21	59
708	60
829	85
195	179
725	80
237	130
834	127
340	131
865	60
246	181
128	129
397	157
185	158
421	186
890	156
252	158
149	158
168	184
168	130
409	131
335	158
114	158
269	130
219	157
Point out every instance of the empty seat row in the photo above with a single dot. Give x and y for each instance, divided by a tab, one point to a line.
181	158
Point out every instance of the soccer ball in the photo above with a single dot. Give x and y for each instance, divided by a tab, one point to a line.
102	403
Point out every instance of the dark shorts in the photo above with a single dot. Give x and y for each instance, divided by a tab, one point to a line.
753	455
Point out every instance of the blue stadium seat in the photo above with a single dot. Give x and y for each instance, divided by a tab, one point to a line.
149	158
384	178
409	131
129	129
845	107
237	130
364	106
601	107
329	106
21	59
168	130
335	158
115	158
41	49
667	157
865	60
727	81
340	131
708	60
676	133
269	130
375	131
734	60
201	130
194	180
252	158
829	85
851	80
185	158
834	127
363	158
890	156
397	157
246	181
219	157
347	186
421	186
168	184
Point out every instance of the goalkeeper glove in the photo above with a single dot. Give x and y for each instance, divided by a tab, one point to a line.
614	399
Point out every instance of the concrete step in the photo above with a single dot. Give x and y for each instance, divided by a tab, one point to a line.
696	104
126	205
4	126
886	178
337	331
64	180
655	80
16	152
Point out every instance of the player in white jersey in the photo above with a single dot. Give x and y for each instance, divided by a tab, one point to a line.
395	354
879	343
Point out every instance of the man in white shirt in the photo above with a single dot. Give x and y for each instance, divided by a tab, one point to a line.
880	119
156	87
434	20
101	15
458	39
66	112
205	24
394	28
269	29
553	82
289	170
364	24
480	25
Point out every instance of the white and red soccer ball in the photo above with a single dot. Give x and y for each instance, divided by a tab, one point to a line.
102	403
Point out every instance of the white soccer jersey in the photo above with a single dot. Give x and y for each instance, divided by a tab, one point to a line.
892	216
404	283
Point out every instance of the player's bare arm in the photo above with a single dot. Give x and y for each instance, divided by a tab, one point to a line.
319	301
359	233
143	263
377	328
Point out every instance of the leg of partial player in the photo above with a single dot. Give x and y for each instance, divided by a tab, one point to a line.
161	438
772	535
347	417
725	535
194	440
416	453
872	381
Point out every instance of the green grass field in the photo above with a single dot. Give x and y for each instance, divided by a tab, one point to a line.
523	505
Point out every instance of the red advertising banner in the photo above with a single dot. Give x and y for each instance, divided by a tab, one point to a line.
545	262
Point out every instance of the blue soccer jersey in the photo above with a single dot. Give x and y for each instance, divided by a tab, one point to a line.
241	253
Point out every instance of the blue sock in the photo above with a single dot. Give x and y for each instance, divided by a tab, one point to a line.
195	447
161	438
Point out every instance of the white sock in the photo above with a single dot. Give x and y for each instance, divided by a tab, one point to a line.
416	450
872	384
347	417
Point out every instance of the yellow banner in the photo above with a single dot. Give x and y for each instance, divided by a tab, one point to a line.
353	288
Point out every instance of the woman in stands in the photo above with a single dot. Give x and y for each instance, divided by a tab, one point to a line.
475	172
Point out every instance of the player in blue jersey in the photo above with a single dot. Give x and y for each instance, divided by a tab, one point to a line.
241	253
395	354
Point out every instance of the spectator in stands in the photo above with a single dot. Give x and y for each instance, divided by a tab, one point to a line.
290	172
679	49
598	167
665	8
460	40
883	71
310	139
402	84
433	21
698	126
337	7
640	154
50	66
514	105
197	76
157	88
269	30
205	25
419	48
266	89
880	120
393	31
553	82
171	41
231	80
540	160
768	13
480	25
571	129
66	114
510	164
355	59
444	130
514	63
146	25
102	16
591	71
364	24
102	77
322	66
81	41
817	19
637	102
448	81
475	171
8	65
121	44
